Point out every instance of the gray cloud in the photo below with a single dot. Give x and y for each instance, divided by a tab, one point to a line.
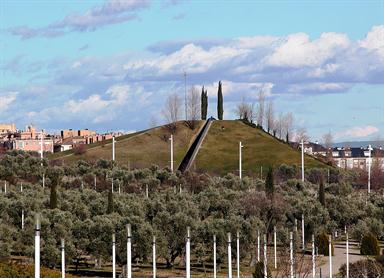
111	12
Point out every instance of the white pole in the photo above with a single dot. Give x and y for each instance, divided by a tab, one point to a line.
22	219
113	148
265	257
188	253
330	256
21	188
214	256
291	252
347	247
112	186
113	256
313	257
62	258
82	185
303	231
154	256
43	180
95	182
118	182
229	257
146	191
302	160
171	139
238	254
37	247
274	245
129	261
258	245
295	225
41	147
369	169
240	170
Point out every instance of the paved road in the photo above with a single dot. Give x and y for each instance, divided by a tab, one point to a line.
338	259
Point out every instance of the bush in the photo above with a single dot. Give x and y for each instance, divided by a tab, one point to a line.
79	149
369	245
363	268
259	271
323	245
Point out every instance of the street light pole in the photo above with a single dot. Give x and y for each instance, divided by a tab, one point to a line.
369	168
240	158
171	139
302	160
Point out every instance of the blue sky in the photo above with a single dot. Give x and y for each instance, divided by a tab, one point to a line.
109	65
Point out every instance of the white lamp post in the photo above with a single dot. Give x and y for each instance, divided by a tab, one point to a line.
171	139
302	160
154	256
258	245
313	257
129	255
62	258
113	148
369	168
214	256
238	255
229	256
303	231
37	246
347	251
113	256
188	253
240	169
291	253
330	256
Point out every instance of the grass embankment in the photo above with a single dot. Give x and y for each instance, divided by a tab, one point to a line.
219	153
141	149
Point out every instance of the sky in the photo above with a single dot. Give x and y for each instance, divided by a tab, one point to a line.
110	65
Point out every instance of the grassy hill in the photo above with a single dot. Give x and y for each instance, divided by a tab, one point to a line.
219	153
141	149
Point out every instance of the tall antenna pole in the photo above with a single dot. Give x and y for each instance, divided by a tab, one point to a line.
37	246
302	160
113	148
188	254
185	94
240	158
229	256
171	139
369	168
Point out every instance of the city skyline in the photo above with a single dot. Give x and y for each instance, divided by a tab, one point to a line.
109	65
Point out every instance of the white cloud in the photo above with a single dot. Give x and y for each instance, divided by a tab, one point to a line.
374	40
297	50
357	131
7	100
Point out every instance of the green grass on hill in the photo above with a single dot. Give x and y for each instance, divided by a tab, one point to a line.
219	153
141	149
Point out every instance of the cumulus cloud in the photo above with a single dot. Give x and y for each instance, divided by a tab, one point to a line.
111	12
357	131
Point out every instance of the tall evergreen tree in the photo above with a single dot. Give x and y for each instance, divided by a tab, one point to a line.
53	197
110	207
322	194
220	109
206	104
203	105
269	186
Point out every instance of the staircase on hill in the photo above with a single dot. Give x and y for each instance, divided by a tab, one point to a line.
194	148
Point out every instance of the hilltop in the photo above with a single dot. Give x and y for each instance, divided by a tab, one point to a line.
218	153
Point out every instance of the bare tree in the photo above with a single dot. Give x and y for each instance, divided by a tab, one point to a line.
260	108
193	107
172	110
301	134
328	143
279	125
287	123
244	111
270	116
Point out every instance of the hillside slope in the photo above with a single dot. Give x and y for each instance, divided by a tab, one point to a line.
139	150
219	152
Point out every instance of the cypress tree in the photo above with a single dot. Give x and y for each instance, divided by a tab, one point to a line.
110	206
53	197
269	186
203	105
322	194
220	110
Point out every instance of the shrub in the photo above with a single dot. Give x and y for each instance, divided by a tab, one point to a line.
259	271
369	245
323	245
363	268
79	149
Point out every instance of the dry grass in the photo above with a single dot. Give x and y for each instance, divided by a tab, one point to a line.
219	152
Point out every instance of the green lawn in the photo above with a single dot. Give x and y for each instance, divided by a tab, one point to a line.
219	152
140	150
